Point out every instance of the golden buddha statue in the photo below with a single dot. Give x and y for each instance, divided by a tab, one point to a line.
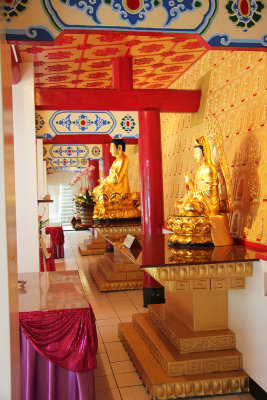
199	210
117	180
203	195
113	197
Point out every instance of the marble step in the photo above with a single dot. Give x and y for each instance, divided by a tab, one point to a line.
176	364
162	386
104	285
184	339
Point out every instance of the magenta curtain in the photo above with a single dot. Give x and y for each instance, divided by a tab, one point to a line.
43	380
67	338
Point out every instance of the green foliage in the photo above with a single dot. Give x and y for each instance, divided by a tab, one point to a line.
42	223
85	199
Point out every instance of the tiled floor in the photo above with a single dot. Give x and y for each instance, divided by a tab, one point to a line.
115	376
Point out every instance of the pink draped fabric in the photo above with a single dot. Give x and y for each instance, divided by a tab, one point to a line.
43	380
67	338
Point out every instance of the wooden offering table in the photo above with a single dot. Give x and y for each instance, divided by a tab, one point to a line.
115	271
183	348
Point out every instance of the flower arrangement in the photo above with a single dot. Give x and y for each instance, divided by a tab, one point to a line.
85	176
85	199
83	195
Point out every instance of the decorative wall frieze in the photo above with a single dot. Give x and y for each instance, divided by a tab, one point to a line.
234	23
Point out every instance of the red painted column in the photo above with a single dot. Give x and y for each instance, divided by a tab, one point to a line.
95	173
151	187
107	162
107	159
150	165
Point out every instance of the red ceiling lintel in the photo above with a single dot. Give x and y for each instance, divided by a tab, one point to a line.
164	100
85	139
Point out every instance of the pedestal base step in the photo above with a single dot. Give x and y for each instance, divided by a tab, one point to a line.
84	251
162	386
119	264
104	285
95	242
176	364
186	340
108	270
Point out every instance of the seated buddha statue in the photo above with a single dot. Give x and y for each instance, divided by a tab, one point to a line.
202	196
113	197
117	180
199	210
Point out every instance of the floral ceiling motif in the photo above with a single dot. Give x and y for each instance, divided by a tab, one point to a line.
84	60
69	157
116	124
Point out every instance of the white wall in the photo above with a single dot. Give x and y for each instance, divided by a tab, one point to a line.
248	319
54	181
26	171
60	178
9	330
43	209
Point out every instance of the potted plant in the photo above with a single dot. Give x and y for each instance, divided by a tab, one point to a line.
41	224
86	203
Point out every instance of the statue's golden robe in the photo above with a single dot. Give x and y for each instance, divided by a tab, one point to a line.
117	180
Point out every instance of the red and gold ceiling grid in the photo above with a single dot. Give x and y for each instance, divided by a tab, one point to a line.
84	60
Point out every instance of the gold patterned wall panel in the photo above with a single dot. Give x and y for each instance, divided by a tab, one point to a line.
237	100
132	153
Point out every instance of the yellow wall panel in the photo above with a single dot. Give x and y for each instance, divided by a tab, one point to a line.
236	98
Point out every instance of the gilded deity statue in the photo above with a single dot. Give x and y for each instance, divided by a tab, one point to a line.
197	219
117	181
202	196
113	197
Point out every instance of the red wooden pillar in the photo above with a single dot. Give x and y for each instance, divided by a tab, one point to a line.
107	159
151	187
95	173
107	162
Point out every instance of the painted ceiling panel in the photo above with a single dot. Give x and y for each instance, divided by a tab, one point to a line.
85	60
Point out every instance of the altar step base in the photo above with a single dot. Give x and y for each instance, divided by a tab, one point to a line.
213	367
92	246
113	272
176	364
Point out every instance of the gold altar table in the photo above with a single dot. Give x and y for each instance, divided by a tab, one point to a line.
183	348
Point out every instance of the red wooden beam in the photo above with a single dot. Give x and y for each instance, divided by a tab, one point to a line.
122	73
84	139
164	100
